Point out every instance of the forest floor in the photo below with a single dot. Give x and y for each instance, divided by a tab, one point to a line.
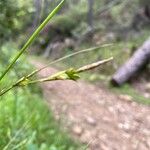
97	117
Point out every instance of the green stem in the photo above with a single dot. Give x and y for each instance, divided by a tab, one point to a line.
6	90
65	57
69	74
31	39
56	76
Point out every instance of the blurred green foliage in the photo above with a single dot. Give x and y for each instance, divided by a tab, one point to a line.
144	3
25	120
14	16
26	123
120	50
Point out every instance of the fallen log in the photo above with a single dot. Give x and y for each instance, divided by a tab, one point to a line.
140	58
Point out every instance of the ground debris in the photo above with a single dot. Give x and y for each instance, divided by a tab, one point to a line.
99	118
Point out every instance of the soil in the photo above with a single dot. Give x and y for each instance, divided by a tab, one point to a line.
96	116
142	85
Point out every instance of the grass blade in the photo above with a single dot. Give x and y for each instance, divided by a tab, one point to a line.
32	38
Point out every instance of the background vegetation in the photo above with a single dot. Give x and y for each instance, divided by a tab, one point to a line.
25	120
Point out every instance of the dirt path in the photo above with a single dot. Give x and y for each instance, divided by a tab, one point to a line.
98	117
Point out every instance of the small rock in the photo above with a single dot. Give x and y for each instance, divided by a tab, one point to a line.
91	121
147	87
77	130
146	95
125	126
126	97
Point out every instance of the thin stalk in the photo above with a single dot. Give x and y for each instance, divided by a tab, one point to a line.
25	125
6	90
32	38
93	65
65	57
56	76
15	107
62	74
53	62
69	74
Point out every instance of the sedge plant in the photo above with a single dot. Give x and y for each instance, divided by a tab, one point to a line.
32	38
11	137
68	74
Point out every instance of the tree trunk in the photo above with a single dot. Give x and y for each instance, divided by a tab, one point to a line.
36	20
142	16
90	13
140	58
